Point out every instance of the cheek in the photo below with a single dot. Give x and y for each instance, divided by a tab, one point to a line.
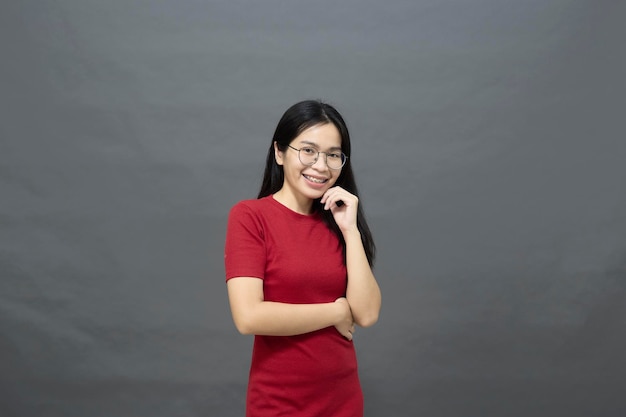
291	166
334	179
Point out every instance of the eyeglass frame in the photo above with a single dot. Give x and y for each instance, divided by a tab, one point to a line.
343	163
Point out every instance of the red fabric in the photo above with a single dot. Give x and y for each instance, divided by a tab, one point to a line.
300	261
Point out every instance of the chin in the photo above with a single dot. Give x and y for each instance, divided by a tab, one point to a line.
316	195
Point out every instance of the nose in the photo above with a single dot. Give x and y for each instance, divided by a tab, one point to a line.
320	166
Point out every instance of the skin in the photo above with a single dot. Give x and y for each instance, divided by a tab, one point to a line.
361	306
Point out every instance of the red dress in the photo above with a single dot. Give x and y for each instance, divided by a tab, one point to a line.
301	262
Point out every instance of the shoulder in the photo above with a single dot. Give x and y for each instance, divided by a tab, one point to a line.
251	209
259	205
250	217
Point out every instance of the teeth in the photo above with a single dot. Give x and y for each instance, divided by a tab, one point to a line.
317	180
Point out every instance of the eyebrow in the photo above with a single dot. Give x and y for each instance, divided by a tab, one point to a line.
306	142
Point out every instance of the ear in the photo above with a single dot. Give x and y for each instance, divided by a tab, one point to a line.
278	154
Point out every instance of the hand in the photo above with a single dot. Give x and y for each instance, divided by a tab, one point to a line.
344	213
345	326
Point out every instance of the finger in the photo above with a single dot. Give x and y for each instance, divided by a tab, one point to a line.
331	192
341	197
328	203
327	194
335	199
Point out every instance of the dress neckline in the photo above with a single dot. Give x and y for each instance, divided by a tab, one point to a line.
290	212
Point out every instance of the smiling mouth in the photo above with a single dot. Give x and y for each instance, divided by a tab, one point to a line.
315	180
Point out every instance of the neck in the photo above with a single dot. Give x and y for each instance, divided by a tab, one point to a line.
302	206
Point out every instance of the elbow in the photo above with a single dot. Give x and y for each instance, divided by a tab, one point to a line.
242	329
243	325
366	316
367	320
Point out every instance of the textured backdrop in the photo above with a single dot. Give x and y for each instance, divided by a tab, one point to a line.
489	147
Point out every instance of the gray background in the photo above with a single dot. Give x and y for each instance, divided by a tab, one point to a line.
488	145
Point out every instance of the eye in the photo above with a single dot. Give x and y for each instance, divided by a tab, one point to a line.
334	155
308	151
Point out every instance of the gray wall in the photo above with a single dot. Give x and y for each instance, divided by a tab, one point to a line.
490	152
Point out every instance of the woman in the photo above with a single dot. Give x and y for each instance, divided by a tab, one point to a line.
298	269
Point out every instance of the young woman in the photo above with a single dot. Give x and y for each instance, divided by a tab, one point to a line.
298	270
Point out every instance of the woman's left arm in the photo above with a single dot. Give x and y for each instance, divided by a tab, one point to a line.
363	293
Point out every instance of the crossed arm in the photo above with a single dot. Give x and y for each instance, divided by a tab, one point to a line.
253	315
361	306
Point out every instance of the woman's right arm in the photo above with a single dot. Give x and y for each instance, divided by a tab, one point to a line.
253	315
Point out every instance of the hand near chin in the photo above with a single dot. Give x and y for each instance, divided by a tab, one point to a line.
343	205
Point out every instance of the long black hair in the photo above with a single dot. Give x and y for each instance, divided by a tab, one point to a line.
297	119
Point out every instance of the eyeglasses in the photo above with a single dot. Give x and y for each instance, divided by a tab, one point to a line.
308	156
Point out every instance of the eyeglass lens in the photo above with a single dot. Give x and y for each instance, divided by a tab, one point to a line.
334	160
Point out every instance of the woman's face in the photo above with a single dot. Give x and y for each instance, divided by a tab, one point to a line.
302	183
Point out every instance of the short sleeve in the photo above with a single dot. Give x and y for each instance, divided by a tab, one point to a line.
244	251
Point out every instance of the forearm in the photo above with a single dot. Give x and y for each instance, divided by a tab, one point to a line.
281	319
363	292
